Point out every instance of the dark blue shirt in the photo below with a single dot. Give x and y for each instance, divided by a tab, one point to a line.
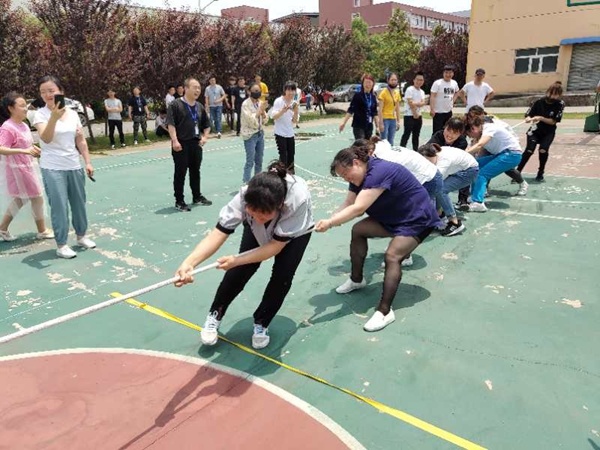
363	107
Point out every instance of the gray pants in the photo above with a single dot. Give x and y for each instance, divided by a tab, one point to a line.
64	188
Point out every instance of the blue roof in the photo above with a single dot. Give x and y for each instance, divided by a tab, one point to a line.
581	40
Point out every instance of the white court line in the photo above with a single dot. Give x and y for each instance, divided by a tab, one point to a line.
564	176
331	179
290	398
543	216
521	199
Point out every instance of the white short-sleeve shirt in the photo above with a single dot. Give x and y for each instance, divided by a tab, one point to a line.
452	160
283	126
445	90
61	153
476	94
417	164
416	95
502	138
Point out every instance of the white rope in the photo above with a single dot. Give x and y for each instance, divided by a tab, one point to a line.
99	306
519	124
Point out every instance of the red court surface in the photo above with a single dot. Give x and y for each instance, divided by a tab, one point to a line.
122	399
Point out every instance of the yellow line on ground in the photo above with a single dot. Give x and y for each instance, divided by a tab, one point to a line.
401	415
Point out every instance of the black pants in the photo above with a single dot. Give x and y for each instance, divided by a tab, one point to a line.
533	140
238	125
287	151
280	283
363	133
111	131
160	131
411	126
439	121
190	157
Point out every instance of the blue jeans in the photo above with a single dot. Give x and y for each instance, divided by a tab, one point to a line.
64	188
389	130
453	183
308	101
434	186
255	149
491	166
216	115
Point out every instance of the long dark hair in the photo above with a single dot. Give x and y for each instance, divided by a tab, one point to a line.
346	157
267	190
9	99
555	89
429	150
55	80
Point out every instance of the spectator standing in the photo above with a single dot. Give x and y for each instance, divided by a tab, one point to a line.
179	91
476	92
114	108
285	113
161	127
253	117
189	128
214	97
264	89
229	111
308	93
239	95
138	113
363	110
170	95
389	109
442	98
414	100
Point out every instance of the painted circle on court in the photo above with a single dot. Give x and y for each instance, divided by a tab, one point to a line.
134	399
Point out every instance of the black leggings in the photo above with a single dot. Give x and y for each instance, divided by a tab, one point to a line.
118	124
287	151
400	248
282	275
411	126
533	140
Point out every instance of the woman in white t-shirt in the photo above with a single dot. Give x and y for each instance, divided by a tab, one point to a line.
284	114
62	142
414	100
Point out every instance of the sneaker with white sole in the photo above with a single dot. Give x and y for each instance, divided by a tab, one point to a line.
210	332
260	337
350	286
65	252
6	236
407	262
46	234
452	229
378	321
523	189
477	207
86	242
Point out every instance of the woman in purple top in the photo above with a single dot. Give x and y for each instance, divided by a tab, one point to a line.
398	207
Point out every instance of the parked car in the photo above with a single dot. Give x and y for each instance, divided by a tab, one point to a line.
327	97
343	93
75	105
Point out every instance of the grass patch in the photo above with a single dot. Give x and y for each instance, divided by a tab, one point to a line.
103	142
522	116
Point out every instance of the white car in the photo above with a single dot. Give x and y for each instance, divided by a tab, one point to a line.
75	105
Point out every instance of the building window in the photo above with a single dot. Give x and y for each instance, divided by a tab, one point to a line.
536	60
355	16
356	3
416	21
432	23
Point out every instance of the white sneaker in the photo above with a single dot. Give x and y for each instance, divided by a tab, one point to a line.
210	332
46	234
112	147
135	143
86	242
523	189
65	252
407	262
6	236
378	321
477	207
350	286
260	337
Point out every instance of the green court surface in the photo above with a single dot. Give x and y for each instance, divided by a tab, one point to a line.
497	330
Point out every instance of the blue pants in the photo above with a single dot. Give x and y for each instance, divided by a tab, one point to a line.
64	188
389	130
255	149
453	183
216	116
491	166
434	186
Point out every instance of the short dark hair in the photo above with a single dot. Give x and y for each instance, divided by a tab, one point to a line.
420	73
53	79
9	99
346	157
162	111
267	190
429	150
290	85
455	124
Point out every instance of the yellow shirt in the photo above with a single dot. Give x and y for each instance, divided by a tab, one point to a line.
265	91
390	101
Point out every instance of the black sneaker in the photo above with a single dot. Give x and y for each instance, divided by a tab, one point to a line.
182	206
462	205
453	229
202	200
539	178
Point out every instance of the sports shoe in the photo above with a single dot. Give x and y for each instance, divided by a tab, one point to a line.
539	178
462	206
210	332
477	207
378	321
182	206
135	143
452	229
148	141
6	236
123	145
407	262
523	189
260	337
46	234
202	200
65	252
86	242
350	286
112	147
218	135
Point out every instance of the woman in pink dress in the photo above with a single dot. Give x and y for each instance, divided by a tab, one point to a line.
19	180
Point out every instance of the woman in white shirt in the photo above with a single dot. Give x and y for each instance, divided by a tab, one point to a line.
62	142
414	100
459	169
285	114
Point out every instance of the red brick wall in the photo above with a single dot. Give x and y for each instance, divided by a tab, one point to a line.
246	12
